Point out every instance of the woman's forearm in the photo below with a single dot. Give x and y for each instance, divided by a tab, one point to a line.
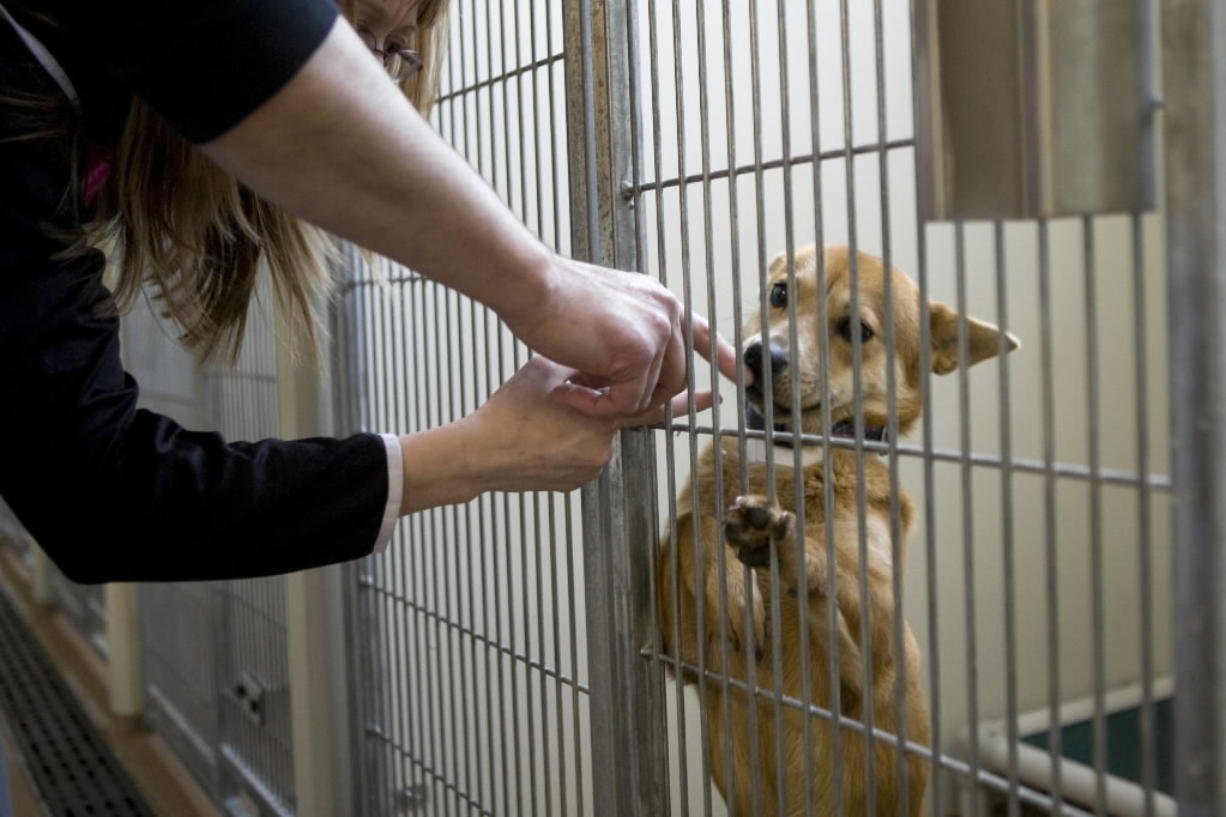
383	179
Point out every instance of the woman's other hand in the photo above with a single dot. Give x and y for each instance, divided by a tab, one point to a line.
526	437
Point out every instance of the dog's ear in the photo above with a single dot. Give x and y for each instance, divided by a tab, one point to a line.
983	339
778	263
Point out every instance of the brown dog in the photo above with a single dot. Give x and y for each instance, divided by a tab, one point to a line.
754	529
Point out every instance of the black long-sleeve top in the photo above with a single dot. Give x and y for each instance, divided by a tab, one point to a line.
112	492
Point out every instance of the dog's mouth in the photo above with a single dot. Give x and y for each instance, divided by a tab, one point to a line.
782	415
755	419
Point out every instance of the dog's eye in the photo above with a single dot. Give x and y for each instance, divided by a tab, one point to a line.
779	295
844	329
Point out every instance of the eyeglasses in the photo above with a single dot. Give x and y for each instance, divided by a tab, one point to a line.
400	63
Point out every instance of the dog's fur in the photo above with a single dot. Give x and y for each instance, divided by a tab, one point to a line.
754	529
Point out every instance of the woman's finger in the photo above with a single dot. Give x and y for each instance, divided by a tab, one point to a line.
705	341
680	406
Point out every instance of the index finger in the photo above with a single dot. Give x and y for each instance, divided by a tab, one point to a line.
706	341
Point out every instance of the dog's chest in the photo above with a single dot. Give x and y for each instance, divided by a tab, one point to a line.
856	513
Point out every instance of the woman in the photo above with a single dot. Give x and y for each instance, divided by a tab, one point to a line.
285	98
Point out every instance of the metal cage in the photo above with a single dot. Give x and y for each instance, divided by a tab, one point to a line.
504	669
510	656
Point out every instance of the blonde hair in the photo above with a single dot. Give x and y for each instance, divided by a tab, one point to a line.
189	231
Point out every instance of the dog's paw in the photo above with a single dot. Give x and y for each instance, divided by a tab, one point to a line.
752	525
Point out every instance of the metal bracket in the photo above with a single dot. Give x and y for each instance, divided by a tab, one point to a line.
413	797
248	693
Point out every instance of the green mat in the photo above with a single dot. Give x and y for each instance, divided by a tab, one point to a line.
1124	748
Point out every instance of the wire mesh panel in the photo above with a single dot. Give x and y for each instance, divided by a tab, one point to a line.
469	630
176	621
962	549
214	653
253	689
179	669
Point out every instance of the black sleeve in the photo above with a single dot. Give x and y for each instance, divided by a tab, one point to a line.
202	64
115	493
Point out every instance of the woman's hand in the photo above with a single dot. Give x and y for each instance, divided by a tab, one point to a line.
623	332
526	437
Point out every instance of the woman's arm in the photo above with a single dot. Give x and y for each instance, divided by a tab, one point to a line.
341	147
522	439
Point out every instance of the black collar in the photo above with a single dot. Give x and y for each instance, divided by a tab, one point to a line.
845	429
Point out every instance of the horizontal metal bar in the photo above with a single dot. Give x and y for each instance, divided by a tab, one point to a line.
202	745
480	638
988	779
241	375
494	80
773	164
262	617
1066	470
254	784
404	751
409	277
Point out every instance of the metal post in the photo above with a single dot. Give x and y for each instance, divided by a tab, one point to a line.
123	665
628	735
314	625
1194	57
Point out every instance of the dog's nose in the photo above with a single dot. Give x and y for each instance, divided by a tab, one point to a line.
753	359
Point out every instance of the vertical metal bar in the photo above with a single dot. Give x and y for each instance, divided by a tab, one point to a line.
381	774
712	310
696	539
507	502
556	586
439	598
443	664
1144	522
930	548
1006	515
526	608
738	341
834	682
1050	511
415	572
798	485
968	513
543	680
455	656
397	721
1194	69
486	504
313	641
674	543
571	586
896	532
1097	613
767	388
466	683
867	719
628	737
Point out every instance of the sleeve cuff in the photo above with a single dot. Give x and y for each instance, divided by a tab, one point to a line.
395	488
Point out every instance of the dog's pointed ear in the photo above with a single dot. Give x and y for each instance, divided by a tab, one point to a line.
983	339
778	263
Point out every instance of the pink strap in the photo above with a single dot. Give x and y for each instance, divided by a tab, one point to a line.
97	171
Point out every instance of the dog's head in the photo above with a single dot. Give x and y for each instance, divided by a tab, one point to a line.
770	346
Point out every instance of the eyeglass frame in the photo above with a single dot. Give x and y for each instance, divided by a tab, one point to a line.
412	59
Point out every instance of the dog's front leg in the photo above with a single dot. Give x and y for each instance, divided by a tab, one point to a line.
755	529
